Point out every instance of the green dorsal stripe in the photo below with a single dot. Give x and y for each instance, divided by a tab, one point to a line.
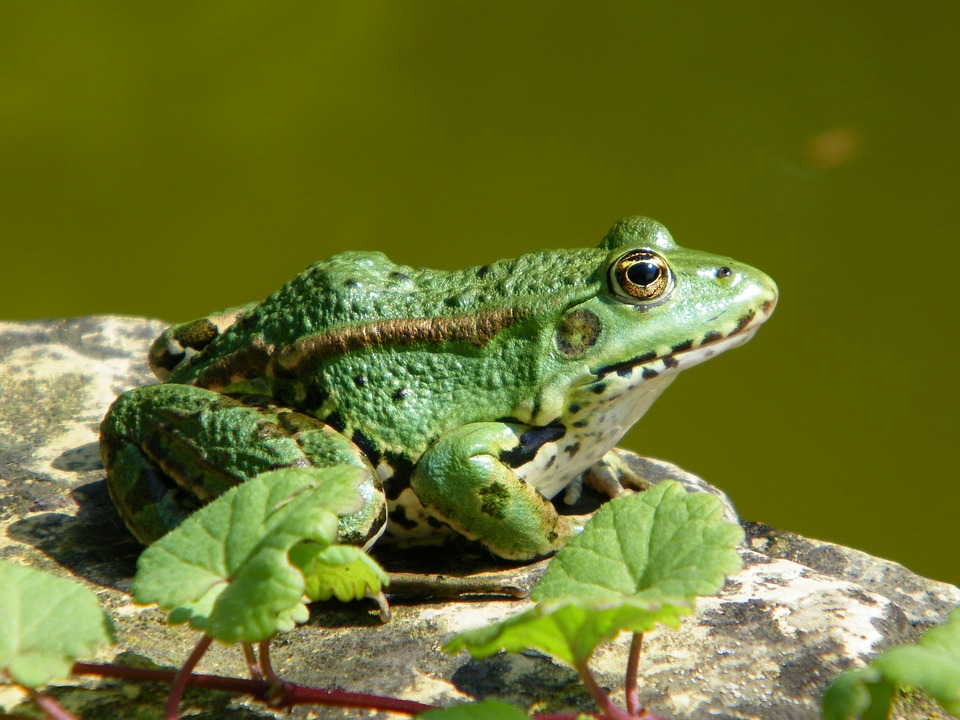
476	329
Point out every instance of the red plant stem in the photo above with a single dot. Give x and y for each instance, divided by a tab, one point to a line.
261	689
51	707
251	660
265	665
633	670
292	694
599	695
182	676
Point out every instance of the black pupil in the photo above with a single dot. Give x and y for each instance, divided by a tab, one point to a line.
643	273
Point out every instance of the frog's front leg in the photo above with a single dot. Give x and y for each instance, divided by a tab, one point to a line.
170	448
466	480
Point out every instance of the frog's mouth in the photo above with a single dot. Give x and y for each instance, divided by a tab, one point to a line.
687	353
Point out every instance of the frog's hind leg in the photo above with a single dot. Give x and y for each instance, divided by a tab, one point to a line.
169	448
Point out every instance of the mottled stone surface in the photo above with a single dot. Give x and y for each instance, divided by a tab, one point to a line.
798	613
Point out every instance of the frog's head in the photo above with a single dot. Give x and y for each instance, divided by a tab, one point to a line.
660	308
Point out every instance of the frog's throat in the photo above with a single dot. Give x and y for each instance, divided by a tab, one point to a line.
644	376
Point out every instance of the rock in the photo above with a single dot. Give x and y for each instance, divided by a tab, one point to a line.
798	613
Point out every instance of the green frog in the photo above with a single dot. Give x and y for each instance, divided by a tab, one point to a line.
471	398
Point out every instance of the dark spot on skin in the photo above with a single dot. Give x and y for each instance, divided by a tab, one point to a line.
572	450
482	271
366	447
743	322
400	480
599	387
578	332
398	516
649	373
574	408
196	335
530	443
616	367
360	380
454	301
536	406
625	372
268	431
633	362
509	420
580	423
399	276
680	347
400	394
493	500
723	272
711	337
336	421
670	361
768	306
314	397
245	320
434	523
550	462
295	422
351	283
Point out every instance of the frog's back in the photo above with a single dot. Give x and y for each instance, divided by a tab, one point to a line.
356	298
355	288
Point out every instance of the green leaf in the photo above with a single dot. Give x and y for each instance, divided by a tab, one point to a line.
226	569
663	539
341	571
486	710
641	560
931	665
569	630
847	697
46	623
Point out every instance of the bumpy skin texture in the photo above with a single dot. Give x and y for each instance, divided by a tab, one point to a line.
473	396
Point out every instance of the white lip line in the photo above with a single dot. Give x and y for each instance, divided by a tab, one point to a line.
759	318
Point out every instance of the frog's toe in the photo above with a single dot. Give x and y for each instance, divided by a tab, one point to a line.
612	475
574	491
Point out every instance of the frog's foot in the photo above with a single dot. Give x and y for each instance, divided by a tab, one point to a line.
168	449
179	343
612	475
466	479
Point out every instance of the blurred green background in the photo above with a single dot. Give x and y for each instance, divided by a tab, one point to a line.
167	159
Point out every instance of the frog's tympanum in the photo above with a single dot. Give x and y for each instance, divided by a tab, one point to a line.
472	398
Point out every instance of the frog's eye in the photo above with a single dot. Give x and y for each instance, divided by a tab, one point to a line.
640	276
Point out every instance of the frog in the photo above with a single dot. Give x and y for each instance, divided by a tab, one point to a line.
471	399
